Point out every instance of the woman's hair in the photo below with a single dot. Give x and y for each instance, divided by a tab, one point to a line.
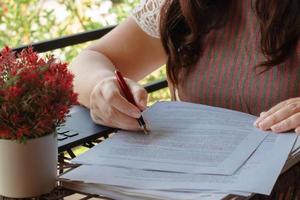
184	25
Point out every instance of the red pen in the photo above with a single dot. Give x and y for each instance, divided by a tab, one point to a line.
128	95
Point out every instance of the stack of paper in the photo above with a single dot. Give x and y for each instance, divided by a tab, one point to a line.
193	152
294	156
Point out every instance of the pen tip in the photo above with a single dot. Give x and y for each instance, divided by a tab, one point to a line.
146	131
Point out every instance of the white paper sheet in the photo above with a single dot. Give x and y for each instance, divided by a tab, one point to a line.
258	175
294	156
184	137
119	193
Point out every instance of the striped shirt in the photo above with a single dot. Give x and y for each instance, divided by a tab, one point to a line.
225	76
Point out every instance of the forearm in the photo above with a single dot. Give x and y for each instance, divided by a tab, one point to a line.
89	68
127	47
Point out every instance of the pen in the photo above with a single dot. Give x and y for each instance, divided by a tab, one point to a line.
128	95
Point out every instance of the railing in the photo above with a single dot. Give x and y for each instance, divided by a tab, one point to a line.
79	38
65	41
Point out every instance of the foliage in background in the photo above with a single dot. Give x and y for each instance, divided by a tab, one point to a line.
29	21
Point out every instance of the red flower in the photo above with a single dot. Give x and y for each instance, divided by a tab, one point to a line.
27	75
14	91
15	118
35	94
23	131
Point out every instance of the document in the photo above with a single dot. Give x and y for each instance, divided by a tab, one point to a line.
185	137
121	193
257	175
294	156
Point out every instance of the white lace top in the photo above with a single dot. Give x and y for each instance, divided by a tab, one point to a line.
146	15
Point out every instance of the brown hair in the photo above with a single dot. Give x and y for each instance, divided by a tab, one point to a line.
184	25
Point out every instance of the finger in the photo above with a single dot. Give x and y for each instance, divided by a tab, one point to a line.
97	119
256	121
125	122
279	115
115	119
297	130
116	100
264	115
140	96
139	93
272	110
288	124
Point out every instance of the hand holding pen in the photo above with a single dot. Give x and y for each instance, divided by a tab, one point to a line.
128	95
109	106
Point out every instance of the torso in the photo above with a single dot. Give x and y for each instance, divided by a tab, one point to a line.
225	77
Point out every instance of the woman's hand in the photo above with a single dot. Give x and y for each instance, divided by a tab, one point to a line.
108	106
282	117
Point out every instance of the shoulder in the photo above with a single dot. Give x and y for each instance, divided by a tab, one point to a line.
147	16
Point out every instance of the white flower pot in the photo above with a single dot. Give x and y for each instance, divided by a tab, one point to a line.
30	169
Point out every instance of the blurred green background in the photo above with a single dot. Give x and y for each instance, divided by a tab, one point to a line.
28	21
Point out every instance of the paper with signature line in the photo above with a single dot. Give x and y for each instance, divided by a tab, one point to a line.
185	137
257	175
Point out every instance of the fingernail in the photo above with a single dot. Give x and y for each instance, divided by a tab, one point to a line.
256	122
262	125
142	105
275	128
262	114
259	119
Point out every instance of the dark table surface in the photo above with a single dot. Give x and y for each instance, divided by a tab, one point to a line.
79	129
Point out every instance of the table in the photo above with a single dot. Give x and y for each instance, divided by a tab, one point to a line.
79	130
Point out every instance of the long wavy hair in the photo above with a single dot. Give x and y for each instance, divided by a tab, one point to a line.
185	23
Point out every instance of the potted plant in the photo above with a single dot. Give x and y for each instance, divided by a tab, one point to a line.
35	96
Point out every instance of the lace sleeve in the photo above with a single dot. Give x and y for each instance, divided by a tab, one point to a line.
146	15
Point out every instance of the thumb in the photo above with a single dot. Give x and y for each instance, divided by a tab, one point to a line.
140	95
